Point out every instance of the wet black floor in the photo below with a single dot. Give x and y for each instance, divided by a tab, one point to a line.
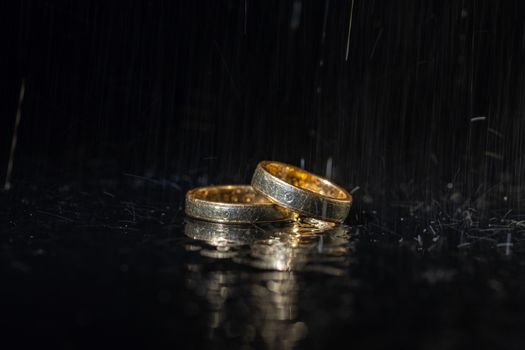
111	111
79	267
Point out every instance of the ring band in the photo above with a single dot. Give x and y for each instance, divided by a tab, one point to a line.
236	204
301	192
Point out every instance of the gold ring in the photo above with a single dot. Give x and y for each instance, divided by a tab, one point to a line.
236	204
301	192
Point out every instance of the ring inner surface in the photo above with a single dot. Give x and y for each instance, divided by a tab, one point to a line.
303	179
234	195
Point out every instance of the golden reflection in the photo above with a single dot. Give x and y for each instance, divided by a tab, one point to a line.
259	304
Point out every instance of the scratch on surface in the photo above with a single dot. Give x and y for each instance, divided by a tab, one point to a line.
349	31
475	119
161	182
355	189
507	245
7	185
53	215
375	43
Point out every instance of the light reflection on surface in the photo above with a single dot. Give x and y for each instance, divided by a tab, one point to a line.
261	303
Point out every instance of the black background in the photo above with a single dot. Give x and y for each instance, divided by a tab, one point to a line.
173	88
129	104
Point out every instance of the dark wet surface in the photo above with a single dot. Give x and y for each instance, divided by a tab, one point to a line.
416	107
76	264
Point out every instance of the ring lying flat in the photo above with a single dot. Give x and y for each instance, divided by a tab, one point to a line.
301	192
236	204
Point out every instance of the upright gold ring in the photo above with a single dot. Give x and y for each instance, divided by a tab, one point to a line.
301	192
236	204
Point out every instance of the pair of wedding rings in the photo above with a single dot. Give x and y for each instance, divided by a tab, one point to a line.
278	192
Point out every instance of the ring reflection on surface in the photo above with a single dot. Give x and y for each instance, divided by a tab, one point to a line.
266	276
279	247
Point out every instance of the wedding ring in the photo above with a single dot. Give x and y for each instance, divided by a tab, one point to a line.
236	204
301	192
